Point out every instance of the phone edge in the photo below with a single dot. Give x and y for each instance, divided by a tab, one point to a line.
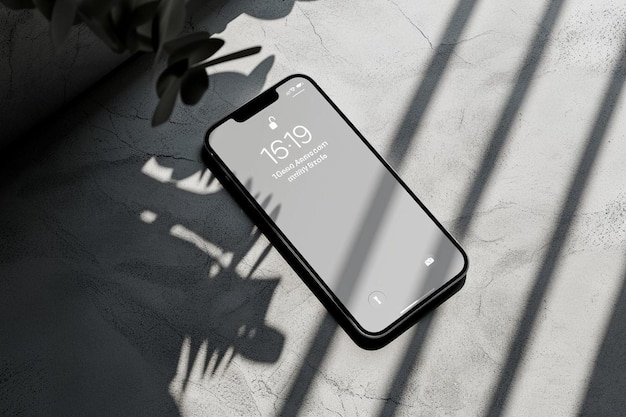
359	335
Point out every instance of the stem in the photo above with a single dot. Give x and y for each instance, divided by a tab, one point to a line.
229	57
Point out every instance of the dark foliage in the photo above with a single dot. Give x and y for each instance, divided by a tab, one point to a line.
143	26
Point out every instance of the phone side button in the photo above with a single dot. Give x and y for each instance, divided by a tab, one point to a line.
377	299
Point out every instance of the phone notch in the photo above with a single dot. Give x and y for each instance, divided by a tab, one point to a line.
255	105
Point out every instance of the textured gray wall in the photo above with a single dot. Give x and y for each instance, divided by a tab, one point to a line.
36	80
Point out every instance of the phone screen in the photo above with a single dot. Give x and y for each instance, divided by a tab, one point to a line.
366	236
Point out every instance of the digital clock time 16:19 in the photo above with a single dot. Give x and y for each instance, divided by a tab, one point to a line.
299	135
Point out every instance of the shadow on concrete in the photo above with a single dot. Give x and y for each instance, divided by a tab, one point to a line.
605	390
26	109
525	75
405	134
221	12
107	273
509	113
496	144
542	281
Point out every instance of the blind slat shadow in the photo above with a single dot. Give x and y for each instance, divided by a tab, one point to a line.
605	390
494	149
403	139
544	277
509	113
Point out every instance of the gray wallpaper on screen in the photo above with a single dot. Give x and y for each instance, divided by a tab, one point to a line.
364	235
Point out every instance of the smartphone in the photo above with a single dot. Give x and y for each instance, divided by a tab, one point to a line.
336	211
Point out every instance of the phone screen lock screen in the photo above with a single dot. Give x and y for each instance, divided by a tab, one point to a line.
365	236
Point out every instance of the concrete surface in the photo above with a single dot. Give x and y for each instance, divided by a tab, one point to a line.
131	284
35	78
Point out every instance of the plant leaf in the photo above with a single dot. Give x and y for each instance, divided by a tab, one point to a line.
173	45
194	47
95	9
119	17
45	7
140	17
229	57
171	20
164	83
171	73
18	4
104	29
155	39
63	15
144	13
195	82
166	104
144	43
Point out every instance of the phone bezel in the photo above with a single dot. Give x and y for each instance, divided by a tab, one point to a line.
361	336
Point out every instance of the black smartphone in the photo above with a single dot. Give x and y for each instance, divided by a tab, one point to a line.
336	211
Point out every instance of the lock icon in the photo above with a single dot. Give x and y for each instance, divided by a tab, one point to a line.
273	124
